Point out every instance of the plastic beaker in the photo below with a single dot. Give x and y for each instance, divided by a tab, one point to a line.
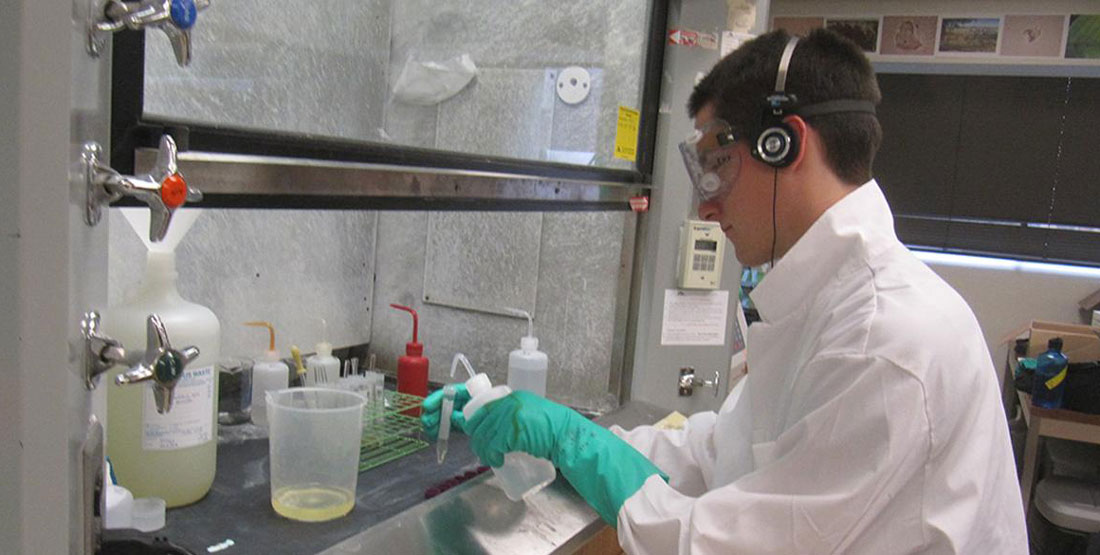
315	438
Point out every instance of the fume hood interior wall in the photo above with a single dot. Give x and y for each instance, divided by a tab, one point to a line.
293	266
330	71
511	107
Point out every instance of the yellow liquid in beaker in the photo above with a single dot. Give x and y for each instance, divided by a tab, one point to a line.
312	503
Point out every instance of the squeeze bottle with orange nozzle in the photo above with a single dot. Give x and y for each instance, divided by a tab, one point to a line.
268	374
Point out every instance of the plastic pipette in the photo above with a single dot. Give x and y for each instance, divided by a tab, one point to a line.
445	422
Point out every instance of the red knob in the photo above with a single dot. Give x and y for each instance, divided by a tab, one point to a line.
173	191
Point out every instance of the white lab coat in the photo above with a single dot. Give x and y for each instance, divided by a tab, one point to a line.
870	420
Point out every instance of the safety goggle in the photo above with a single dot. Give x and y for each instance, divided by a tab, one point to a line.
710	159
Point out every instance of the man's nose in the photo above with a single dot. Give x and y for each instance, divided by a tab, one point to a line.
709	211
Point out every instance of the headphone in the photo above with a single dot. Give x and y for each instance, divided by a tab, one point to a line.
778	144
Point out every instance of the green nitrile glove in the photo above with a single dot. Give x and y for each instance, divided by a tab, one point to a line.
604	469
429	415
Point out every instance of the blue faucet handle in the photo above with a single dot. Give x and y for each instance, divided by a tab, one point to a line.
184	13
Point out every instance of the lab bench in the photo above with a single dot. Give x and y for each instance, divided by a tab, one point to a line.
390	511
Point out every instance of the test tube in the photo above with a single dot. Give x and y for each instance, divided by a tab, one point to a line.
445	422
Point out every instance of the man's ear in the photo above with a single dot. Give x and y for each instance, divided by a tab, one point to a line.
798	125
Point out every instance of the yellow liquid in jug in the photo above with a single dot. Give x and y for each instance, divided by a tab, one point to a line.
312	503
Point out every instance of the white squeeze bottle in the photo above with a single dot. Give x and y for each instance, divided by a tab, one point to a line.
172	455
322	367
521	474
527	364
268	374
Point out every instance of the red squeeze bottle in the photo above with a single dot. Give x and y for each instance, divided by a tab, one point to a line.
412	369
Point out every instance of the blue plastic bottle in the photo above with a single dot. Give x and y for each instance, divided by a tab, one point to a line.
1050	376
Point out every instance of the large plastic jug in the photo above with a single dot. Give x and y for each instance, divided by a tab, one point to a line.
171	456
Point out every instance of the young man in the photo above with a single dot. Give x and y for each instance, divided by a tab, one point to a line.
870	419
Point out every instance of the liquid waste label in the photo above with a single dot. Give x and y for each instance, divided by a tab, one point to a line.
191	420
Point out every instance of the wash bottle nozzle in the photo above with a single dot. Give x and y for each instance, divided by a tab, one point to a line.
271	353
412	348
530	342
323	347
461	358
477	382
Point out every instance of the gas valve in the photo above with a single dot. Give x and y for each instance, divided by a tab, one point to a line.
163	189
174	17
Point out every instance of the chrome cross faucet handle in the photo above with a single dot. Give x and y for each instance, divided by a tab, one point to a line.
688	382
100	352
160	363
163	189
174	17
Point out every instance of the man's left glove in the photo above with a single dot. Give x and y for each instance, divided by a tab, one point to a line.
604	469
431	409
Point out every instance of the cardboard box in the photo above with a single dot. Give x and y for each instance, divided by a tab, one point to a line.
1079	343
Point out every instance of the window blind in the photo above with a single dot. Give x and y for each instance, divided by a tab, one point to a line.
993	165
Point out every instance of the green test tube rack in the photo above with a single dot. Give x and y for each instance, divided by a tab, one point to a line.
388	433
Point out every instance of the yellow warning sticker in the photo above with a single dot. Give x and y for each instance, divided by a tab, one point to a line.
1057	379
626	134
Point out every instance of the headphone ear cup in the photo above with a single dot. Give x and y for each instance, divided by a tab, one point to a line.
777	146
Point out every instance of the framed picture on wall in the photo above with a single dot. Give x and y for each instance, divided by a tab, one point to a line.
861	31
909	35
1032	35
969	35
1083	38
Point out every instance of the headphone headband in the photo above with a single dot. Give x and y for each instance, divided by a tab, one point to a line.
836	107
784	65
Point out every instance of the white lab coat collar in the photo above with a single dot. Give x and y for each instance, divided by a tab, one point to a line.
862	217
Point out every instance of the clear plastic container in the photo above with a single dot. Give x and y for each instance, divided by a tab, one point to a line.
314	448
521	475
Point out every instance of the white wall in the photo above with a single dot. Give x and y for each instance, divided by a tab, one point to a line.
1005	295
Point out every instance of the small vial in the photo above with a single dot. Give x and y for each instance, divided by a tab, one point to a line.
445	422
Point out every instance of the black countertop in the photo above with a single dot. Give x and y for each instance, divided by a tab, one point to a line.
389	506
238	506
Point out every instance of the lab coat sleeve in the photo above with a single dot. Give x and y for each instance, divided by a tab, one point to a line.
686	455
859	434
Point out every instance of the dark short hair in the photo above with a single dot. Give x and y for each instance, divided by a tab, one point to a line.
825	66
